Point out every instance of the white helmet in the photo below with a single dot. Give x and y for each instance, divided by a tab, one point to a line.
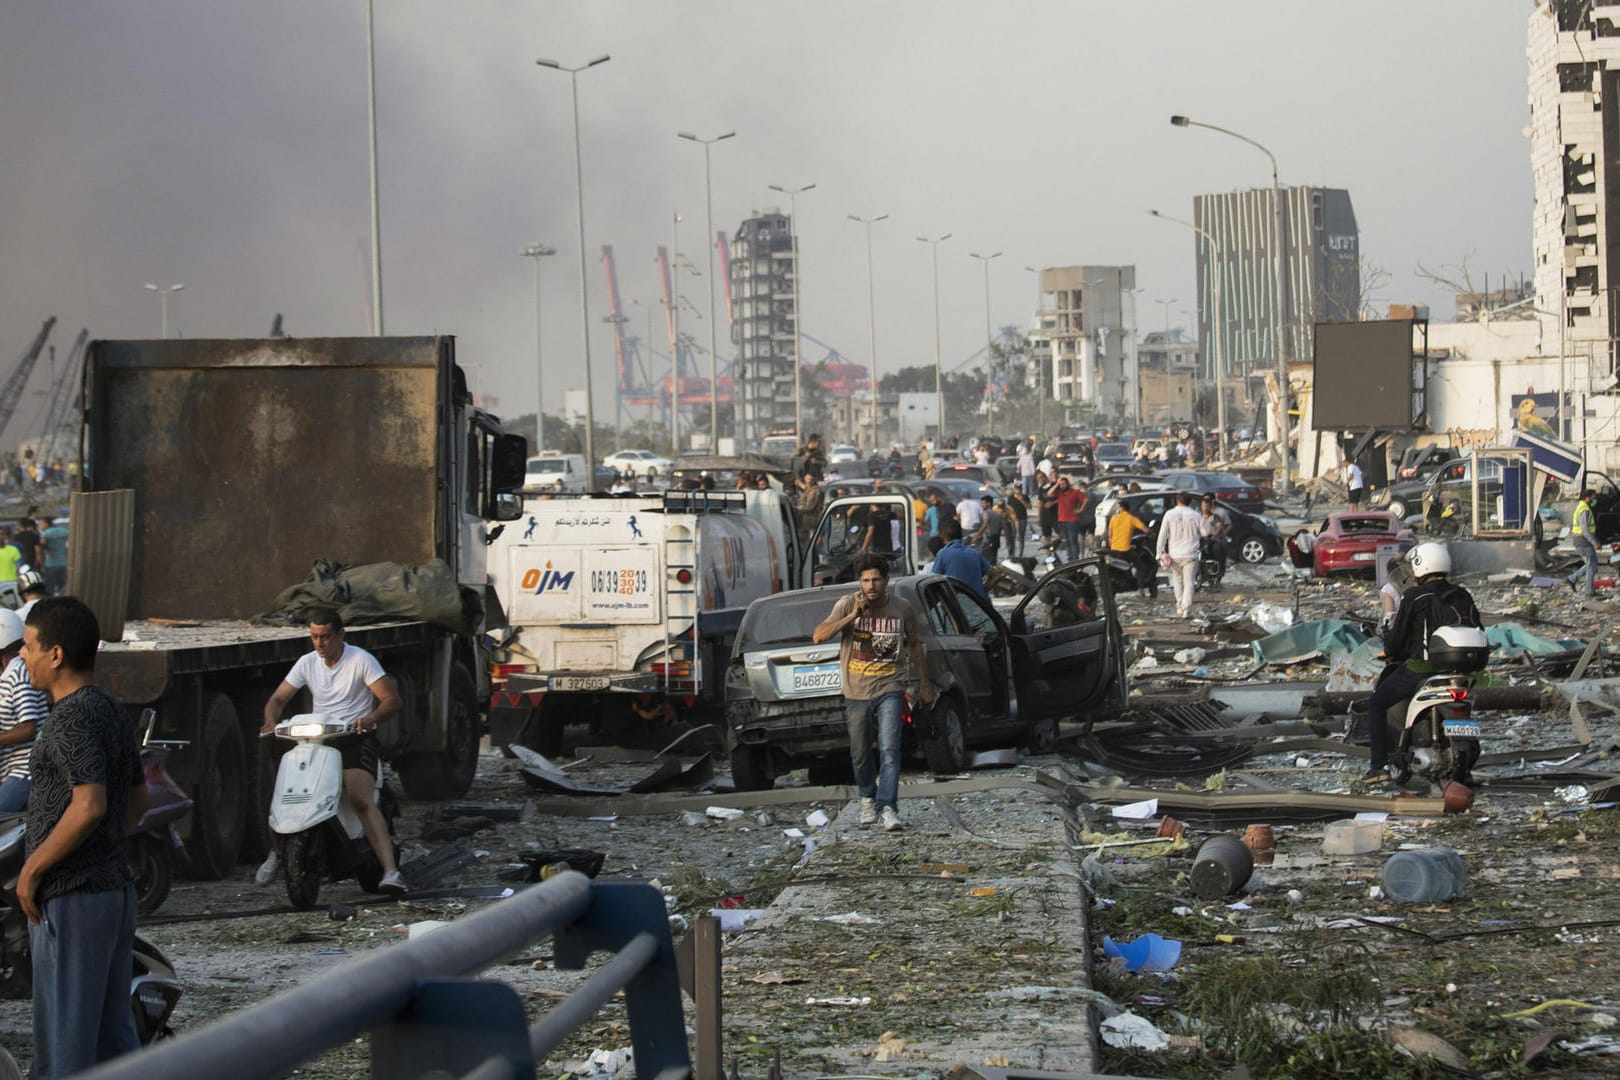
1426	559
11	628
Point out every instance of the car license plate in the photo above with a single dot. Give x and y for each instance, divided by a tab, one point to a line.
816	677
1364	556
1461	729
578	682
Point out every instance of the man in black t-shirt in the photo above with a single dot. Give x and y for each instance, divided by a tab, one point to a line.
76	887
27	540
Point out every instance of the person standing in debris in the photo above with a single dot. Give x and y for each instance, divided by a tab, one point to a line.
1071	503
961	561
1583	535
1122	527
345	683
1354	484
1181	534
54	540
992	526
875	630
809	461
22	711
1026	470
970	515
1430	604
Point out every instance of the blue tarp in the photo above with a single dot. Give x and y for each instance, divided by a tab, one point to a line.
1336	639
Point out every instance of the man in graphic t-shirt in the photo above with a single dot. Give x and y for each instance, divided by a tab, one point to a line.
876	631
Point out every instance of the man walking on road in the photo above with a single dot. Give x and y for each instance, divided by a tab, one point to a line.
1583	535
1071	502
1179	535
875	630
76	887
960	561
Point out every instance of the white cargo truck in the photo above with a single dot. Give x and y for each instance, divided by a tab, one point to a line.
611	598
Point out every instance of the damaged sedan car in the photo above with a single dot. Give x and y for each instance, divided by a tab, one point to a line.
1000	680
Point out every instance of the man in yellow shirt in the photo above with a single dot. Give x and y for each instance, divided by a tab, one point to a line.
10	559
1121	527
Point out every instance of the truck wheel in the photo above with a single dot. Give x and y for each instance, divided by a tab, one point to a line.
261	757
220	812
437	775
751	768
305	866
946	749
544	732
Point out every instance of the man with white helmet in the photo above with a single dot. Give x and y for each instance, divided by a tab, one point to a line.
22	710
1432	603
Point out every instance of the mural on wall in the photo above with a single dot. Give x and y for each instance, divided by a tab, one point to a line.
1536	414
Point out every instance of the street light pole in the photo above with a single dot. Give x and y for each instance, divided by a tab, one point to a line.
538	252
793	236
1040	369
714	348
584	293
1219	324
163	300
939	378
376	214
989	347
871	315
1280	293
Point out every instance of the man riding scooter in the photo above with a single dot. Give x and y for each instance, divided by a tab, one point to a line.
345	683
1430	604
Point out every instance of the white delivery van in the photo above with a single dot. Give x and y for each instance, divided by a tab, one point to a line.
556	471
608	597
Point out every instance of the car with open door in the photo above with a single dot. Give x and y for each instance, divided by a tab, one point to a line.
1000	681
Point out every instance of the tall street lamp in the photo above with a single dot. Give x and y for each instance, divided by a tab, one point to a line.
1219	325
939	378
376	214
714	348
1165	305
1040	373
1280	297
871	315
584	292
989	346
538	252
163	299
793	235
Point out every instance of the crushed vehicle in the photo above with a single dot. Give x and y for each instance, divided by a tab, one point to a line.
1058	655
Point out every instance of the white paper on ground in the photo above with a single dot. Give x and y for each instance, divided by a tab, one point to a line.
1127	1031
1138	811
734	919
1371	815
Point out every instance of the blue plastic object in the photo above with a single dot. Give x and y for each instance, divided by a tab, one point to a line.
1150	952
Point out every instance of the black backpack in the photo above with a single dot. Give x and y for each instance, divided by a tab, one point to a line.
1452	607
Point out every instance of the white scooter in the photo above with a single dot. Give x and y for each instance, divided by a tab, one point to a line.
1439	738
316	827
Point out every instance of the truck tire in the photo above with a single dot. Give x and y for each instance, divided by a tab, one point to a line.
437	775
261	756
751	768
220	811
946	748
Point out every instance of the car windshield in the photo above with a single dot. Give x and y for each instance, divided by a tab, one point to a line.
1226	479
1352	526
787	619
1113	450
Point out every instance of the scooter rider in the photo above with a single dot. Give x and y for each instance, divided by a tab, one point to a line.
1430	604
345	683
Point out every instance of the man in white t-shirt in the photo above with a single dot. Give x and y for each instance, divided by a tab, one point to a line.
1355	485
970	515
345	683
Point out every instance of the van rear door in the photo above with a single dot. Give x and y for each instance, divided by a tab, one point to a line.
881	524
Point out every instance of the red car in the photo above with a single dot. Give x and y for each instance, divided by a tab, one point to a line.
1350	541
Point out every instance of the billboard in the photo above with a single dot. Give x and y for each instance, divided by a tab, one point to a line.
1363	376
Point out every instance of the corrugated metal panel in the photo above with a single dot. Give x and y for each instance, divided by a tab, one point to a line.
100	553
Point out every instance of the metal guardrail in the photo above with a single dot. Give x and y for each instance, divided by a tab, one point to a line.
426	1015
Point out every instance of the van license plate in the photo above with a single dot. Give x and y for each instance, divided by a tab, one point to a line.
816	677
579	682
1461	729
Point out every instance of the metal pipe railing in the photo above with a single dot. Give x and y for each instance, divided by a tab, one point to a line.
401	989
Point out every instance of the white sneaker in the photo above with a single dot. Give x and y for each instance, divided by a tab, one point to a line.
869	812
392	883
891	820
268	870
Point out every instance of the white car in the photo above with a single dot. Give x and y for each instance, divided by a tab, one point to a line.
644	463
842	454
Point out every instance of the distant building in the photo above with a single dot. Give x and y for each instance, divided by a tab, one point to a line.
1516	301
1323	262
1085	337
763	322
1167	382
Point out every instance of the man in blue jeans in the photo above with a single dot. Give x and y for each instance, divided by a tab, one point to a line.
875	631
76	887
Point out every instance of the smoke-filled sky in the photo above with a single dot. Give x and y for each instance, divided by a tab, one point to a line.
222	144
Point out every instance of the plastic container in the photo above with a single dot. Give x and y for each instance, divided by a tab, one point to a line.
1222	866
1459	649
1352	837
1261	842
1424	876
1150	952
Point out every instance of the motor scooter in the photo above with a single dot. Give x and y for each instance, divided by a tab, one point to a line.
1134	569
1438	737
316	828
1211	561
155	839
154	986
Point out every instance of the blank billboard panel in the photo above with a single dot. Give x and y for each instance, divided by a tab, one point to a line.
1363	375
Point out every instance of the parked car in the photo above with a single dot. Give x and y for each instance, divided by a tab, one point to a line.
955	489
1070	451
1115	457
1350	541
966	470
1146	481
1057	657
1227	487
1254	538
843	454
1404	495
644	463
1007	467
